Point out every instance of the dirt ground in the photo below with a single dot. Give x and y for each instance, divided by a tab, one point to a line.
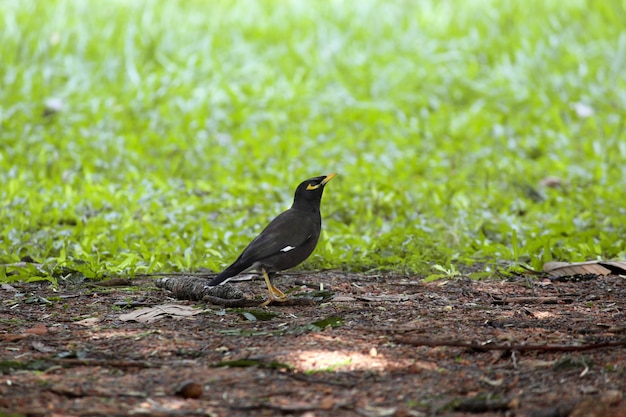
384	345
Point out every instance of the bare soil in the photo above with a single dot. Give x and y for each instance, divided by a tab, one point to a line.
384	345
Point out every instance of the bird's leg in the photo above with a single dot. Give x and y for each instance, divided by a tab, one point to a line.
275	293
278	294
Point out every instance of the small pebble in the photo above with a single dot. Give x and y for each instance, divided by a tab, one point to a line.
189	389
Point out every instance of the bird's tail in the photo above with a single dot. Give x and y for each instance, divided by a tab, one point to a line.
229	272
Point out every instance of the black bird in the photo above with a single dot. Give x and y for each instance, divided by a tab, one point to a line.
287	241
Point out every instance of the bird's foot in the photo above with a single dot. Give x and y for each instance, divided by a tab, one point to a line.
274	295
273	298
276	292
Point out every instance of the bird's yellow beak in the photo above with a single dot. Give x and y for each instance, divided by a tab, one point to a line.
328	178
321	184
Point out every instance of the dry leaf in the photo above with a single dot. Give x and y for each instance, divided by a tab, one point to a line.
616	267
150	314
10	337
37	329
589	407
612	397
492	382
88	321
42	347
374	411
563	269
393	297
343	298
537	363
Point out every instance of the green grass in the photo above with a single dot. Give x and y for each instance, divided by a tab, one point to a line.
186	126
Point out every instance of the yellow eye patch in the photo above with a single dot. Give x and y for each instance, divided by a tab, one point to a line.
313	187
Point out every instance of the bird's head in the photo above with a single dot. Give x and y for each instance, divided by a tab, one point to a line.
309	192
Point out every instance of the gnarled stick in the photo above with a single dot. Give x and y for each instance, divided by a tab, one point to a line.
508	346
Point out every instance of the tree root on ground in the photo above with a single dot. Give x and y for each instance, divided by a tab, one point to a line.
198	289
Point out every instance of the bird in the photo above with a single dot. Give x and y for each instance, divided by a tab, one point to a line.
286	241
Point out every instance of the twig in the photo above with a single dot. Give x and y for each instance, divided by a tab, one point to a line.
105	363
244	302
532	300
289	408
230	303
483	405
281	408
509	346
131	304
163	412
563	409
306	378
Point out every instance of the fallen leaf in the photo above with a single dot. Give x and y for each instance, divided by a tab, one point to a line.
151	314
492	382
394	297
88	321
536	363
420	366
343	298
562	269
616	267
589	407
373	411
42	347
327	403
37	329
612	397
10	337
330	321
256	314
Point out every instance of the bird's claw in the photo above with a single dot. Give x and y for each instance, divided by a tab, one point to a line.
277	293
273	297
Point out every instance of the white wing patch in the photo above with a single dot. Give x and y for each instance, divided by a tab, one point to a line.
287	248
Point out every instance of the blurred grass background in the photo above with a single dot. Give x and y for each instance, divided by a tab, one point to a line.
143	136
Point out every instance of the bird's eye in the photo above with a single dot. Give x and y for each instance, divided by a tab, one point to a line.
312	187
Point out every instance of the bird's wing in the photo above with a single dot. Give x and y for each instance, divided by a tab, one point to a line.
285	233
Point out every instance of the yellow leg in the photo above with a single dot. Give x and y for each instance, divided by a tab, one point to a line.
274	293
278	293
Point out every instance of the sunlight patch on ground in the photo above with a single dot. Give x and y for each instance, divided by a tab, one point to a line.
543	315
341	360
